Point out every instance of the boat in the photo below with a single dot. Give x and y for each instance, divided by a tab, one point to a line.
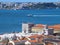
29	15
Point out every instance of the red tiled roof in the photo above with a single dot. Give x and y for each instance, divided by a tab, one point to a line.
33	41
56	27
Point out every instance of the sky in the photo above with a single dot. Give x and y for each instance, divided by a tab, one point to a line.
29	0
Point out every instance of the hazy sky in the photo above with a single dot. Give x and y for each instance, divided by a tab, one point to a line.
29	0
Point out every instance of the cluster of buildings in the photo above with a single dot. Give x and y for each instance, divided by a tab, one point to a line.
15	5
40	28
31	28
33	34
28	5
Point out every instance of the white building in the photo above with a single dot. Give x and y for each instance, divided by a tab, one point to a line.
26	27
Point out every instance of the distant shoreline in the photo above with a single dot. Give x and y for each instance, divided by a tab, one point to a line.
28	9
29	5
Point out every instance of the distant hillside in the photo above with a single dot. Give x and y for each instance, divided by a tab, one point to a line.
29	5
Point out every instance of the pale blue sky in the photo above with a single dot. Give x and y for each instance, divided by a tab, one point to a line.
29	0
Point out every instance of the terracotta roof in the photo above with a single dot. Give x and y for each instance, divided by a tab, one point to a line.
56	27
33	41
39	25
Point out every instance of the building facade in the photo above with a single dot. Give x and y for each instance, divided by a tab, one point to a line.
26	27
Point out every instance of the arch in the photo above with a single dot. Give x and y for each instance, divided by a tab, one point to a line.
11	42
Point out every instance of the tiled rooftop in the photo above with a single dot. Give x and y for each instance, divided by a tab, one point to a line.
56	27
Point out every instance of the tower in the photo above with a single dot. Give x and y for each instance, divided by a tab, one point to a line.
26	27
